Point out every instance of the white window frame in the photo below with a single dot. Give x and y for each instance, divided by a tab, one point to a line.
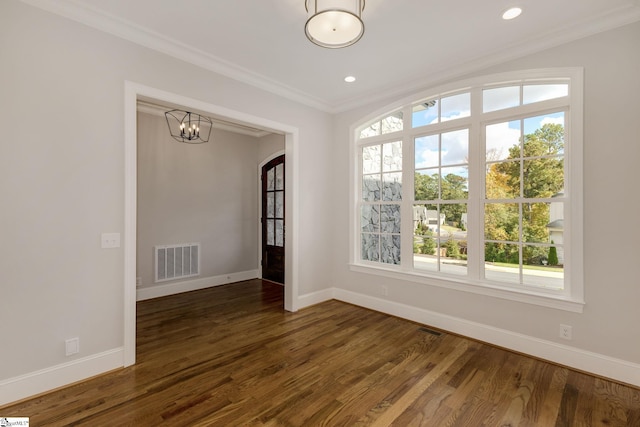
571	298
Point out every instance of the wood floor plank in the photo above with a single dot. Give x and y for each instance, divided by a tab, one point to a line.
231	356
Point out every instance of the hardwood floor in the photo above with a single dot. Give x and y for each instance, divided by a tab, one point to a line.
230	356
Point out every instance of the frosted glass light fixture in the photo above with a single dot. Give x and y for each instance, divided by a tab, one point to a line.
188	127
334	23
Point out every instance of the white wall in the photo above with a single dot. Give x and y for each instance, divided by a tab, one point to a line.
606	332
204	193
62	181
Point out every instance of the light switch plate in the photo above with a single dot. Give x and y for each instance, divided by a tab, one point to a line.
110	240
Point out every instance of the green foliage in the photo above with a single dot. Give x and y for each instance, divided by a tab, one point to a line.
453	250
553	255
428	246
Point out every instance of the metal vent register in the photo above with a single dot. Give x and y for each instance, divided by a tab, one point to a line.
177	261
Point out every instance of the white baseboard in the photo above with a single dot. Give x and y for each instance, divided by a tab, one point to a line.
33	383
314	298
595	363
155	291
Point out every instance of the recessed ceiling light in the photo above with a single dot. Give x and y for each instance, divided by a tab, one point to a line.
511	13
349	79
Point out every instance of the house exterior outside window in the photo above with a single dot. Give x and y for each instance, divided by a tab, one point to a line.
476	186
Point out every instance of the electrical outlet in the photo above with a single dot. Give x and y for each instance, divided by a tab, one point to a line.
565	332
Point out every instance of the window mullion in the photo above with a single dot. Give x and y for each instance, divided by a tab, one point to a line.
406	207
475	207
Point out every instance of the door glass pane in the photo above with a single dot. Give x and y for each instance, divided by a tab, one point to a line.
279	204
270	205
271	237
279	232
279	177
271	177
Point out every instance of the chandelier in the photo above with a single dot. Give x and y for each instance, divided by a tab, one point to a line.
188	127
334	23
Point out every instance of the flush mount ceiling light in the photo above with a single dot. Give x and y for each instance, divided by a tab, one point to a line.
188	127
511	13
334	23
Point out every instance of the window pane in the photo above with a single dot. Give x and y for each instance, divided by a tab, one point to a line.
427	151
454	107
425	113
502	180
392	123
501	262
390	249
371	188
425	239
392	186
369	247
537	270
390	219
455	183
370	218
503	140
455	147
544	135
371	159
453	239
501	222
426	184
543	177
537	93
535	223
372	130
500	98
392	156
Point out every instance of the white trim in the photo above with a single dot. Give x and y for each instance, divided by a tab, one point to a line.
314	298
33	383
583	360
155	291
572	297
134	90
264	162
118	27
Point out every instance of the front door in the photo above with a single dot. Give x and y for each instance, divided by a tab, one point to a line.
273	229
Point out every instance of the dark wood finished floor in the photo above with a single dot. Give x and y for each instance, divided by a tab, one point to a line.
231	356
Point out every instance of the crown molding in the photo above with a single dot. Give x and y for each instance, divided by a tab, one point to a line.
74	10
132	32
159	110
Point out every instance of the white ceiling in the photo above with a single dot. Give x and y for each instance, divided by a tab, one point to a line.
407	43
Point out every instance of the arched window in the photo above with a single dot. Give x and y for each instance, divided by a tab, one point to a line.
477	186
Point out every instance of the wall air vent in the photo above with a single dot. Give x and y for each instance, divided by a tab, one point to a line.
177	261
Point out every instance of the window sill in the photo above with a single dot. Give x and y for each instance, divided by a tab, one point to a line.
559	302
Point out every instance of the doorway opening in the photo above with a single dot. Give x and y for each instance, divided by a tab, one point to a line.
135	92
